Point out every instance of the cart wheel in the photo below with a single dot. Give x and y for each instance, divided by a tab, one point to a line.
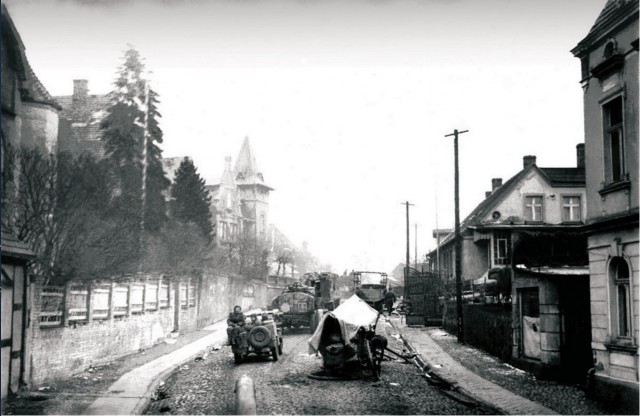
375	371
377	356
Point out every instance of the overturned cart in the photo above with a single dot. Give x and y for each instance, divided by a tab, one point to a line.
346	338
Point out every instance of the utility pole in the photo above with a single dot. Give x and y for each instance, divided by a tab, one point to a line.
408	262
415	246
437	238
458	241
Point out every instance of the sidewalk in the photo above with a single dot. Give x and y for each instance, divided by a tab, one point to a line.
131	393
435	360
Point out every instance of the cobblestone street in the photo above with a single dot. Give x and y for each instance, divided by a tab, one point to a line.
283	387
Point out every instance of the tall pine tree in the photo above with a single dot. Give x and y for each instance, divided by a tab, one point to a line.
132	121
190	199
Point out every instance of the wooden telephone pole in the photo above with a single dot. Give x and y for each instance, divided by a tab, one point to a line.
415	246
458	240
408	263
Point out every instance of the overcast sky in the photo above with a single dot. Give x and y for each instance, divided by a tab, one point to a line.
346	104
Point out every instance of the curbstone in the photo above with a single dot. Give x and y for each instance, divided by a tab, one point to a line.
489	396
437	377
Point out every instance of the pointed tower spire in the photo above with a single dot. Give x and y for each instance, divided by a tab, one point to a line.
246	162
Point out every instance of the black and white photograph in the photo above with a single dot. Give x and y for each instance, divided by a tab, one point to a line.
320	207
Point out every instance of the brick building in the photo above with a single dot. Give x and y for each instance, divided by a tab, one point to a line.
80	118
609	60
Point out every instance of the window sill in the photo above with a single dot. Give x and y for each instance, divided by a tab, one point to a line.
624	345
614	186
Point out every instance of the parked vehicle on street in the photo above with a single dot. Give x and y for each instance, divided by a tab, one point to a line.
298	307
262	337
371	287
324	284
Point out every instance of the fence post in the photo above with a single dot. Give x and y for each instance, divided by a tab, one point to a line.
89	303
159	289
176	305
65	302
145	280
129	287
112	296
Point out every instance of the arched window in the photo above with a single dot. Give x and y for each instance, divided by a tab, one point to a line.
619	275
609	49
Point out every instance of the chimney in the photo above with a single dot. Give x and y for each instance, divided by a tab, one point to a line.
487	194
80	91
496	183
580	154
528	160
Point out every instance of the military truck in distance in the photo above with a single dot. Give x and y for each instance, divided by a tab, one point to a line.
371	287
297	305
327	298
305	304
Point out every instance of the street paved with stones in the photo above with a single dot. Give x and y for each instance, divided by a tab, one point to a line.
283	387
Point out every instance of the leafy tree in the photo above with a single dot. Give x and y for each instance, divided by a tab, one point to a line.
190	199
131	134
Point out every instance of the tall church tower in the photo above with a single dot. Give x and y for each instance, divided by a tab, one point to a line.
252	191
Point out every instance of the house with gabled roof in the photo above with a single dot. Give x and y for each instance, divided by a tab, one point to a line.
526	238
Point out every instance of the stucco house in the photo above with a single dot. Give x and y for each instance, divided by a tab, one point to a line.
526	238
609	61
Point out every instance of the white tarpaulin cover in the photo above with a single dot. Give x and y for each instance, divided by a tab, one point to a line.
352	314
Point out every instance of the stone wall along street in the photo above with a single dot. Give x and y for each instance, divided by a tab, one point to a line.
84	324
